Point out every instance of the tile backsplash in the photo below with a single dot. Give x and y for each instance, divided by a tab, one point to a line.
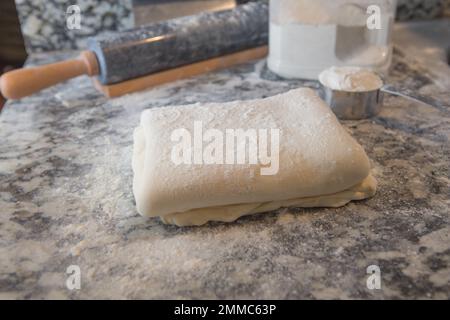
51	25
45	27
420	9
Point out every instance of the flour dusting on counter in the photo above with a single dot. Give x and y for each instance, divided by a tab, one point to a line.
66	198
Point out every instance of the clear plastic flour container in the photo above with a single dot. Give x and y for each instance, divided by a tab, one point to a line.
308	36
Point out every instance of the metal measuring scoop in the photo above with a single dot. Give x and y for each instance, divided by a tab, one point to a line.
355	105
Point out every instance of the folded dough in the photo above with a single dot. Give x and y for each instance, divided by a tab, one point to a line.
320	164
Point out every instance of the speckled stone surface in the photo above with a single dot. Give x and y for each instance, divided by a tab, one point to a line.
424	9
44	22
66	199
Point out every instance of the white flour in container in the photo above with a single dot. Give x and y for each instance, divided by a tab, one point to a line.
306	37
352	79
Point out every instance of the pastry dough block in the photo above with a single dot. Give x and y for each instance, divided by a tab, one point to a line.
320	164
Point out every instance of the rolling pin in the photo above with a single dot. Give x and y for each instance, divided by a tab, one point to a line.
150	49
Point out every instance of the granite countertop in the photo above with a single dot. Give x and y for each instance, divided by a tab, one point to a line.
66	199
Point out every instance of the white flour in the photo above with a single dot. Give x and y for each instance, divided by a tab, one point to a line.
351	79
306	37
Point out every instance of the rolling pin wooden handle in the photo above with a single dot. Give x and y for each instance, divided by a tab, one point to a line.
20	83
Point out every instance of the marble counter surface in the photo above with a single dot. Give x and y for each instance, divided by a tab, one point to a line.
66	199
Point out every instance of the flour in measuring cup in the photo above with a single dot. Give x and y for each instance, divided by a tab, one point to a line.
352	79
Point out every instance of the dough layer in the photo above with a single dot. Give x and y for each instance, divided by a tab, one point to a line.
197	217
320	164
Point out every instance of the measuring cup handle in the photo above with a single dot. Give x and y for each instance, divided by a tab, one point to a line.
411	95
